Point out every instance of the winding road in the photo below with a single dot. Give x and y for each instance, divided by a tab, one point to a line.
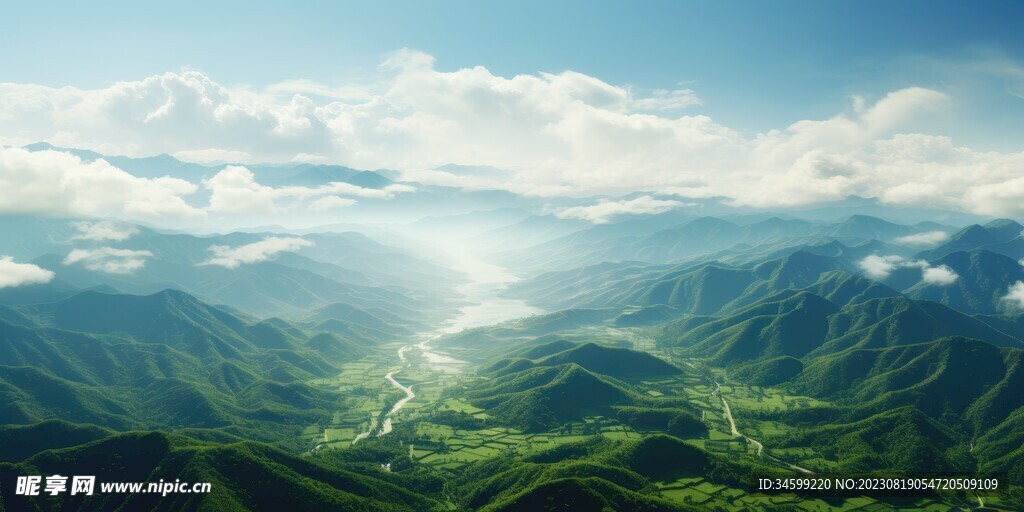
757	444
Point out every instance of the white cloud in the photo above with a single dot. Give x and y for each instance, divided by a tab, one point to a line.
233	257
663	99
331	203
313	88
58	183
561	132
940	275
109	259
603	211
926	239
1016	294
235	190
879	267
104	230
18	274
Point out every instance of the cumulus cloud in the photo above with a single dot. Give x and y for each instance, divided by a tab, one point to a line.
235	190
941	275
109	259
881	267
1015	294
233	257
605	210
925	239
561	132
19	274
104	230
58	183
331	203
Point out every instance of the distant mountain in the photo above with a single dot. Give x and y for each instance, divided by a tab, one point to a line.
775	228
468	224
865	226
1000	236
376	318
345	267
802	324
984	279
145	167
530	231
900	321
649	315
697	288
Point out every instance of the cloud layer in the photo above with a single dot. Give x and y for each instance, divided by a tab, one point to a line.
926	239
58	183
233	257
562	132
109	260
235	190
605	210
104	230
18	274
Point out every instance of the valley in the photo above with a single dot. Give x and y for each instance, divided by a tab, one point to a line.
628	385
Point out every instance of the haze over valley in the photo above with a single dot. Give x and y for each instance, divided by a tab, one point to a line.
578	256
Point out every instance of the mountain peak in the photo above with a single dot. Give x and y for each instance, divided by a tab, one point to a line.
1004	229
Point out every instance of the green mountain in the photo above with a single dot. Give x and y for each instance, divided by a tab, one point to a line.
984	279
541	398
593	475
900	320
243	476
165	360
24	441
616	362
946	376
1002	236
868	227
901	439
769	372
792	326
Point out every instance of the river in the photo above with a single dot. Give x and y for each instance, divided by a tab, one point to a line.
483	306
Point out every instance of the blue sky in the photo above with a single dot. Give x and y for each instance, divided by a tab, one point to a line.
755	65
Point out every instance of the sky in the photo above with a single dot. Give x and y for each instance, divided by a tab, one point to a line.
756	65
775	103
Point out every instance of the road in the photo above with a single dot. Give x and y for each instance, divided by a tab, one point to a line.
757	444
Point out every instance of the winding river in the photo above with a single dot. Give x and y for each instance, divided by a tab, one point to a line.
483	307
